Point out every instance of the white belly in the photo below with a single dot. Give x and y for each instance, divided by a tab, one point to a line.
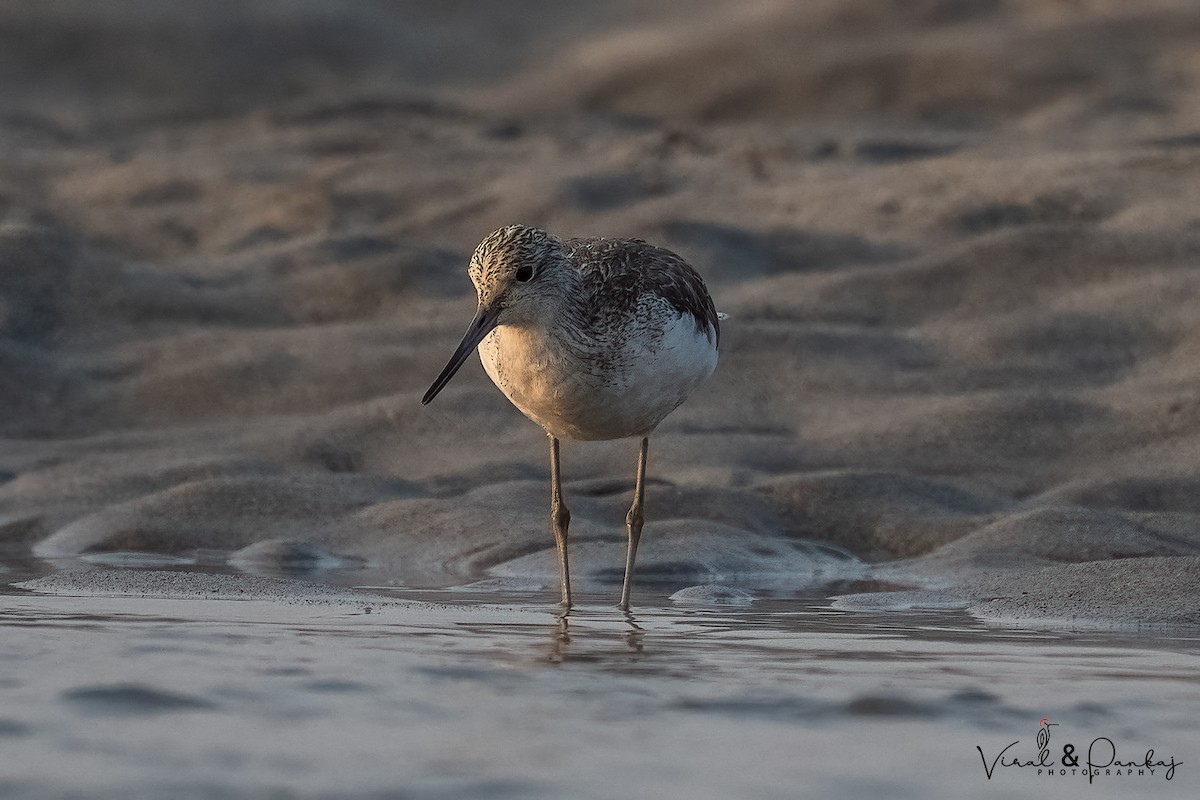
615	388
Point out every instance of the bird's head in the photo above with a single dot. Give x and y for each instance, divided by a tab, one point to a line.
521	276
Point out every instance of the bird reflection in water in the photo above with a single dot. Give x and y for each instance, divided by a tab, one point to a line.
632	637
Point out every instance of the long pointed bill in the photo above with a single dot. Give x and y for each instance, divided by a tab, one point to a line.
481	326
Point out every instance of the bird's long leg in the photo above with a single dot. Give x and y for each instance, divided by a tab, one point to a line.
634	520
560	519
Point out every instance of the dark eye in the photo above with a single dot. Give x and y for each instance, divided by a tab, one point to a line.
524	273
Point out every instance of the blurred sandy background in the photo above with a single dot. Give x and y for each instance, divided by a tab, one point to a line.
959	243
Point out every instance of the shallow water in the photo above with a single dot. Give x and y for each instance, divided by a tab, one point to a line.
475	695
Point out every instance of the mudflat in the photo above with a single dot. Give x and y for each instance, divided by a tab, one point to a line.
942	484
958	244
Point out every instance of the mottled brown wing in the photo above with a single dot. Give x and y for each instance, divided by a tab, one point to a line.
622	270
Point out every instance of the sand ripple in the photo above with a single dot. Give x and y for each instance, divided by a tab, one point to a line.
957	241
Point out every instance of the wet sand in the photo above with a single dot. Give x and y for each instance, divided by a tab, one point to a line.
957	242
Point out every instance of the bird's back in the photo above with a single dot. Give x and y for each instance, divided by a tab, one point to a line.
621	273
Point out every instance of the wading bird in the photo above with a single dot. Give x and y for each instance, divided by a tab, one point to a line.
592	339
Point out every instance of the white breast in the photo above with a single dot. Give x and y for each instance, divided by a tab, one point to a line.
610	386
